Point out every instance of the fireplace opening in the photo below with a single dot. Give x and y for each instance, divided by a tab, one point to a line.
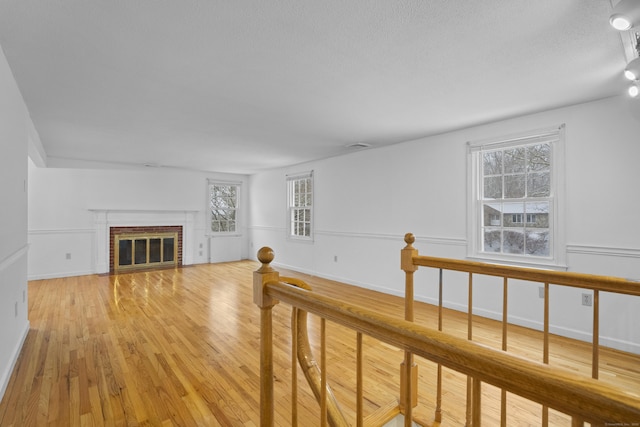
146	250
145	247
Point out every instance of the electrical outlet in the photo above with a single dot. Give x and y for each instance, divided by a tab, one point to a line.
16	309
541	292
335	258
68	255
587	300
200	253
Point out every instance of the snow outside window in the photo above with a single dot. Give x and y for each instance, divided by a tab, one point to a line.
516	189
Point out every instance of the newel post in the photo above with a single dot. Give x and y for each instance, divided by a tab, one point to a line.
261	277
408	369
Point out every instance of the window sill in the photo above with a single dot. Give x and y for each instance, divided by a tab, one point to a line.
210	235
543	264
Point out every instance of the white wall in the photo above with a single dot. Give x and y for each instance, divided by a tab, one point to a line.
62	220
14	126
366	201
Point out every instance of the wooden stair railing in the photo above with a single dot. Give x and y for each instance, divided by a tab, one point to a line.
411	260
580	397
312	372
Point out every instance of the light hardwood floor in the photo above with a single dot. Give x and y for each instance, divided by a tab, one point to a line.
180	347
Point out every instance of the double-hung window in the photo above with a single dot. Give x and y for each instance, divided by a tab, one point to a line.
300	205
516	188
223	207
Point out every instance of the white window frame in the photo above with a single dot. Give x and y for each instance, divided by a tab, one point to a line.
475	250
238	185
291	206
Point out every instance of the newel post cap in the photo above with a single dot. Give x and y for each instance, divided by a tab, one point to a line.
262	276
407	254
409	239
265	256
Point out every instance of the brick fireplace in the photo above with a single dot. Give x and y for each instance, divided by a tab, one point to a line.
116	233
108	223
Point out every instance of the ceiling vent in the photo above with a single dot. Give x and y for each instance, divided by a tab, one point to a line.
359	145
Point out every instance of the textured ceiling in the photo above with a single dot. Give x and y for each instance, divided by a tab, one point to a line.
244	85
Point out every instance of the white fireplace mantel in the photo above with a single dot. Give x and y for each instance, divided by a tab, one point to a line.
106	218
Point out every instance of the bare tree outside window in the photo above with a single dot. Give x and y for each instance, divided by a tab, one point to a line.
300	199
516	203
516	187
223	205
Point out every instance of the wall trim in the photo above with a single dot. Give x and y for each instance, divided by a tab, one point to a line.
378	236
6	375
604	251
62	231
265	228
11	259
395	237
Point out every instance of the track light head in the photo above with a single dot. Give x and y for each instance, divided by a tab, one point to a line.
633	91
632	72
625	15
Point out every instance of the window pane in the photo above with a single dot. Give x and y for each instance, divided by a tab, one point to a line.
492	241
492	163
493	187
539	184
539	212
513	241
537	242
514	186
539	157
492	214
512	214
514	160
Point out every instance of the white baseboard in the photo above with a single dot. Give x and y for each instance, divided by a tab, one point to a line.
575	334
6	375
57	275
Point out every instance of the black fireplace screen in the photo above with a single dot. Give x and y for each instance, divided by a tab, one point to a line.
145	251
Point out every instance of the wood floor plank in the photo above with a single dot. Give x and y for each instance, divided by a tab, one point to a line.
179	347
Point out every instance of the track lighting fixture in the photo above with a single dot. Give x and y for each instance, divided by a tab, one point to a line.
632	72
626	15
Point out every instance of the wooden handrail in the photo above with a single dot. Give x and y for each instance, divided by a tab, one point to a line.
565	278
580	397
